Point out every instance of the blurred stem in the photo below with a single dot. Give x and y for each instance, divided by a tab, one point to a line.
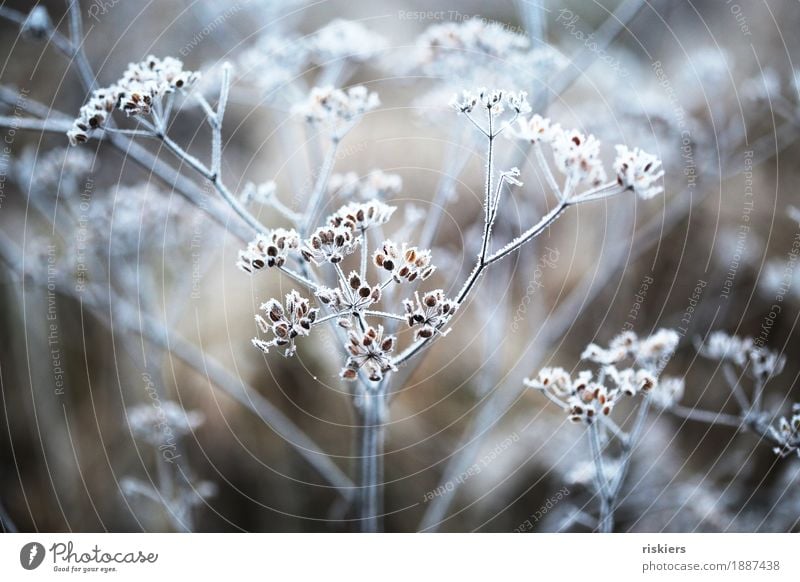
606	522
5	521
371	416
320	187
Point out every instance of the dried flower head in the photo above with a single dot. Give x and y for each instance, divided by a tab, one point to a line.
337	108
136	93
537	129
762	362
268	250
377	185
360	216
667	392
329	244
638	171
493	101
430	313
788	434
406	262
351	296
556	380
452	48
658	347
765	363
344	40
721	346
286	322
590	402
630	381
153	423
369	351
614	354
650	352
577	156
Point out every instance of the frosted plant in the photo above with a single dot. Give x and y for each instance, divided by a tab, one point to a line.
344	40
628	366
377	185
786	434
578	158
286	321
745	360
268	250
337	110
372	354
162	425
146	90
380	283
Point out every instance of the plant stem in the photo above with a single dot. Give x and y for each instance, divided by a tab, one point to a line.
371	413
606	522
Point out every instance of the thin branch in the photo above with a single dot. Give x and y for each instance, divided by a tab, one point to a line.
320	187
76	39
707	416
736	388
44	125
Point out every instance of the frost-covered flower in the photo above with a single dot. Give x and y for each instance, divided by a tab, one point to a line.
605	356
169	420
630	381
762	362
590	402
578	157
361	216
369	351
344	40
268	250
493	101
57	172
557	380
351	296
638	171
582	397
765	363
650	352
38	24
537	129
430	313
329	244
136	93
377	185
451	48
406	262
286	322
721	346
337	108
788	434
658	347
667	392
274	61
